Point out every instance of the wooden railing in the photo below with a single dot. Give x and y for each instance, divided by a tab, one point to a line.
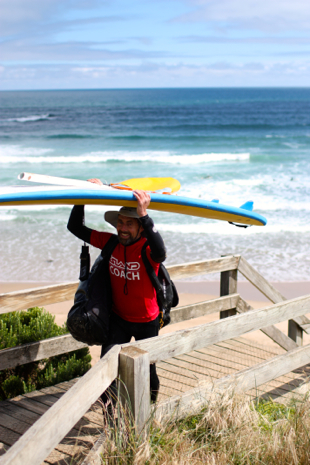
130	362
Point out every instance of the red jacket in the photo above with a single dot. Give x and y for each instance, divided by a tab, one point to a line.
134	298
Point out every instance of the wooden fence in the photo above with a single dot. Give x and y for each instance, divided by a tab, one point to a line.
130	362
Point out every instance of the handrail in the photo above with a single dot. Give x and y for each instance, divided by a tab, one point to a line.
243	380
183	341
297	325
34	351
20	300
45	434
216	265
35	445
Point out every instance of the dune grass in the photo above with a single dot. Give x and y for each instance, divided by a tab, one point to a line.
230	429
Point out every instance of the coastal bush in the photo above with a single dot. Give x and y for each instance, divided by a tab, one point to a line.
33	325
230	429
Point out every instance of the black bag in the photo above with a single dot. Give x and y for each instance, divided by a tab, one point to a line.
167	295
88	319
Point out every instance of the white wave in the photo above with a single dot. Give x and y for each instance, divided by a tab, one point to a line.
34	208
7	217
29	155
17	154
31	118
286	192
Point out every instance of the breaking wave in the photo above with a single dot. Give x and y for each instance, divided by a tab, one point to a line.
15	154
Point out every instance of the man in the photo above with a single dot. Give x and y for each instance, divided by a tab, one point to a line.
135	312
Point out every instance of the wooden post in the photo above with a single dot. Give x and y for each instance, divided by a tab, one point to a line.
228	286
134	373
295	332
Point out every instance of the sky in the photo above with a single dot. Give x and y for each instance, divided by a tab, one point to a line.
85	44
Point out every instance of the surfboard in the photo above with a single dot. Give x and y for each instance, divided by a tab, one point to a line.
60	195
163	185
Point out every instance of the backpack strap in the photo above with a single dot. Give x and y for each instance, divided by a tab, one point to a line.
107	250
152	275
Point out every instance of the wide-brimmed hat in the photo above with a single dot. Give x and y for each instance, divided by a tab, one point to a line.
112	216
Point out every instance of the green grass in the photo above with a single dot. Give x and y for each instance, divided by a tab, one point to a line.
33	325
230	429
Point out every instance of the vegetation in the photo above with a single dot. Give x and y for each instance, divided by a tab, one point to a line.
231	429
34	325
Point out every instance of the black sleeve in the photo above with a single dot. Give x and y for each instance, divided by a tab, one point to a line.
76	224
157	246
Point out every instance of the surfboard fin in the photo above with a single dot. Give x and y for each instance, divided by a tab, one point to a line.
248	206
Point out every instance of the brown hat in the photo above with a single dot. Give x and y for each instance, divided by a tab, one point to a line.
112	216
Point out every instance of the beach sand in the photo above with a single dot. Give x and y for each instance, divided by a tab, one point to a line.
189	292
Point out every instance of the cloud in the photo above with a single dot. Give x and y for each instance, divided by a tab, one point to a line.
271	16
279	40
18	17
148	74
22	50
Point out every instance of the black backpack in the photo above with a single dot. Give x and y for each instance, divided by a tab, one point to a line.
88	319
167	295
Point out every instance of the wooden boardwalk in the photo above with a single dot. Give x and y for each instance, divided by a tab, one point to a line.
189	362
177	375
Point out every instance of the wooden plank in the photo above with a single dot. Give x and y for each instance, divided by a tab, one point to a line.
216	372
250	362
34	351
256	348
180	342
41	397
259	281
134	372
175	373
239	382
13	424
186	270
30	404
268	290
271	331
58	458
295	332
212	360
16	411
7	437
243	351
48	431
94	456
172	366
17	419
228	285
174	386
21	300
206	307
212	371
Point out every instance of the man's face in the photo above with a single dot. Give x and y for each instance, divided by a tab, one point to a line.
128	229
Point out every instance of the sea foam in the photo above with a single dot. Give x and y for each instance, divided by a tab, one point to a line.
30	118
17	154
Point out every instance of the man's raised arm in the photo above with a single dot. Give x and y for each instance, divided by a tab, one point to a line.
156	243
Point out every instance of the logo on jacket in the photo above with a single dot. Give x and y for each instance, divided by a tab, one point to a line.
117	268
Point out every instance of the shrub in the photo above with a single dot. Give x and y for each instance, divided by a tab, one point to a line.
33	325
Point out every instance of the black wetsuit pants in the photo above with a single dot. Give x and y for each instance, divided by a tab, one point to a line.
121	331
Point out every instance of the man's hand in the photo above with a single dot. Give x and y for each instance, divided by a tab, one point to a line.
95	181
144	200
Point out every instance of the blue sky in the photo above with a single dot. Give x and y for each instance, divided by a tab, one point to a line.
53	44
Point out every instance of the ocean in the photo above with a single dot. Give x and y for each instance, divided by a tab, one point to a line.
231	144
